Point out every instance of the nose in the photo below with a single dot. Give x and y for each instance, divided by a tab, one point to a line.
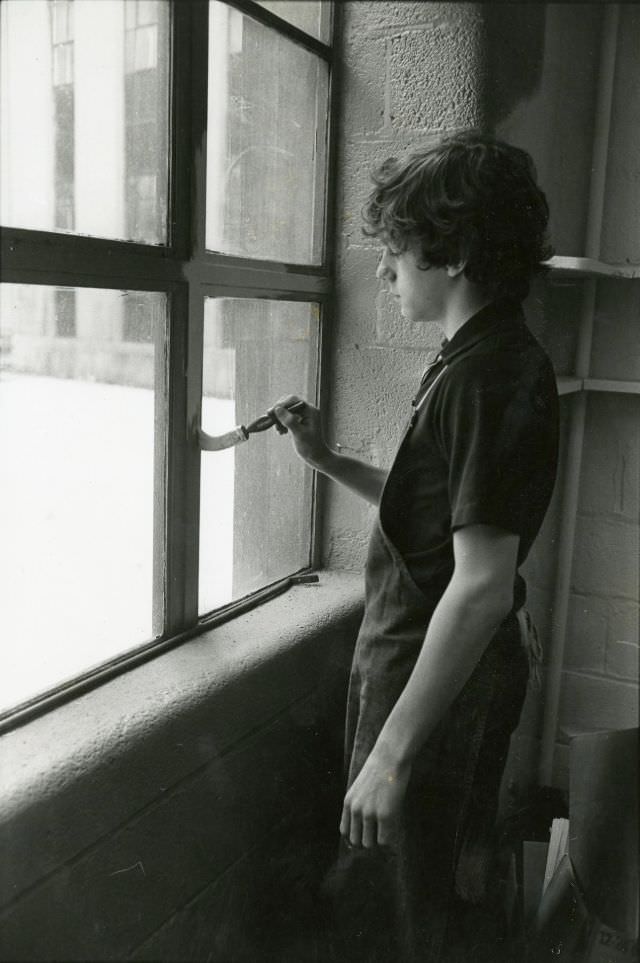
384	271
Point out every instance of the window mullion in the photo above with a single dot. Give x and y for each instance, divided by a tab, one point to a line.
183	466
198	159
187	312
181	132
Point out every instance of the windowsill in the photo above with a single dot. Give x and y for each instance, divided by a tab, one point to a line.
77	772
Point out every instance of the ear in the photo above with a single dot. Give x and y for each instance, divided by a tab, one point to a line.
455	270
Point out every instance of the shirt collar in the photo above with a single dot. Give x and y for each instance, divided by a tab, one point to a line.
497	314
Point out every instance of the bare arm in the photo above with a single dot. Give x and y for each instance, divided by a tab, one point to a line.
308	439
476	601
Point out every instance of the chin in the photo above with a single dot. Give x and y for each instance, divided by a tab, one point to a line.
419	317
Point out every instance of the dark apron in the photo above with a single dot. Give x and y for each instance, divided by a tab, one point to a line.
399	903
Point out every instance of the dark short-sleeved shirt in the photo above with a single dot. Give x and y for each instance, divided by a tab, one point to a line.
482	447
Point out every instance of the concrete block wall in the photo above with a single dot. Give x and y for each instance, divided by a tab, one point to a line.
555	122
186	809
600	672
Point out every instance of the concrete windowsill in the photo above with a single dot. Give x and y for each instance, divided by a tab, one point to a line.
72	775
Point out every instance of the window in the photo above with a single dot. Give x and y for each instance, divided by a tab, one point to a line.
254	352
266	121
163	196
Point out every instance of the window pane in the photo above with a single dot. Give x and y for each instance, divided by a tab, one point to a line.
312	16
266	142
77	437
254	352
84	115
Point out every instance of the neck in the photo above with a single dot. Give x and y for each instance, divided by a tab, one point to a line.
465	300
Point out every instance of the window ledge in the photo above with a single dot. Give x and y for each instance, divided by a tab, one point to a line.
76	773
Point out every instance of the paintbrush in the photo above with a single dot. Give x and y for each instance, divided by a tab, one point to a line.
241	432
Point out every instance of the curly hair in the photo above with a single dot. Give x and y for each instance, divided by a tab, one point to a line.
471	199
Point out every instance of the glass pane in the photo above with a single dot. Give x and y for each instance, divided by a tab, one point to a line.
254	352
312	16
266	142
80	373
84	114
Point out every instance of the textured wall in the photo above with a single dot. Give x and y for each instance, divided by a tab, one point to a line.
169	813
555	122
621	234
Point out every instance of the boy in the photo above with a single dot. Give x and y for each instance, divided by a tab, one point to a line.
439	671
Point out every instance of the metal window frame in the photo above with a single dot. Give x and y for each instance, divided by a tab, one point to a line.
187	273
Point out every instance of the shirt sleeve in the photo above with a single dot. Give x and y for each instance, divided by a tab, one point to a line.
498	434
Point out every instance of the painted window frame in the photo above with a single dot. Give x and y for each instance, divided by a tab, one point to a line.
187	273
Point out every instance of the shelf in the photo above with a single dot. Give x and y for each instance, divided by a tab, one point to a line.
587	267
568	385
618	387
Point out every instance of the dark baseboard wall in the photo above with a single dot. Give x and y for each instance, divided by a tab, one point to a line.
220	861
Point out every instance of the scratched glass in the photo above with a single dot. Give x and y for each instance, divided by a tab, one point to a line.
255	498
266	142
82	435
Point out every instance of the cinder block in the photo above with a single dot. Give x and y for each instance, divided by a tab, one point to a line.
622	660
624	621
202	929
617	356
435	77
346	546
261	911
360	155
621	214
554	119
587	633
588	704
357	290
67	785
371	399
364	83
114	896
393	329
560	302
374	18
606	558
610	476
